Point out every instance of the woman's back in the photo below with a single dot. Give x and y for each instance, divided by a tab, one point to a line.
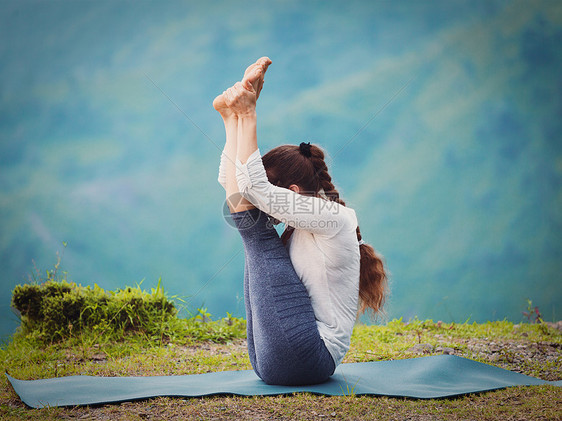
328	266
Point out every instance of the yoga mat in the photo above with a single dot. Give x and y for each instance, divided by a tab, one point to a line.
427	377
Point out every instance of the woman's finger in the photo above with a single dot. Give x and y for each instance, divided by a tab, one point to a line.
238	87
228	97
243	90
235	92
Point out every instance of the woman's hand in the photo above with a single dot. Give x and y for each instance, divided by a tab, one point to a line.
241	99
219	104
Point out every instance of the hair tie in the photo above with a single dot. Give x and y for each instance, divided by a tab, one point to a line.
304	149
361	242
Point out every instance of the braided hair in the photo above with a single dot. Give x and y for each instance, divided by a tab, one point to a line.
305	166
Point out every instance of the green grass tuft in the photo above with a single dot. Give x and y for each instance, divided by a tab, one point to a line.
57	310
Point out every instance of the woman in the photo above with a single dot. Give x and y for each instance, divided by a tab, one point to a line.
302	291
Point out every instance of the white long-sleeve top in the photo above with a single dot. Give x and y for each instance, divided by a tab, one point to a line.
323	249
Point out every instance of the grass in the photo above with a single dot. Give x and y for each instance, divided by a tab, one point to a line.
519	347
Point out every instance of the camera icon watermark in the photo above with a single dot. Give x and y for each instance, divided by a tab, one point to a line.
245	220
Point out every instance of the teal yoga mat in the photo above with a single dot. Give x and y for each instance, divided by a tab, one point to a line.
427	377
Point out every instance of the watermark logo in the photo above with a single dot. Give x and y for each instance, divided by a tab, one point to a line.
232	202
294	209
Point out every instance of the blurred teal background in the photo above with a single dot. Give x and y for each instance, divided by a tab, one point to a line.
457	181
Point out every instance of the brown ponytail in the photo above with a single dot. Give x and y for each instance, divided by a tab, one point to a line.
372	279
290	164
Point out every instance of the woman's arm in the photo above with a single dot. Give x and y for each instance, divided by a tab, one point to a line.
312	214
241	100
227	169
309	213
254	79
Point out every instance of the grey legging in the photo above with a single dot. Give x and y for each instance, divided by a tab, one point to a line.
284	345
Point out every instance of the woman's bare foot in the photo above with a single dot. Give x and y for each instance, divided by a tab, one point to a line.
255	73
